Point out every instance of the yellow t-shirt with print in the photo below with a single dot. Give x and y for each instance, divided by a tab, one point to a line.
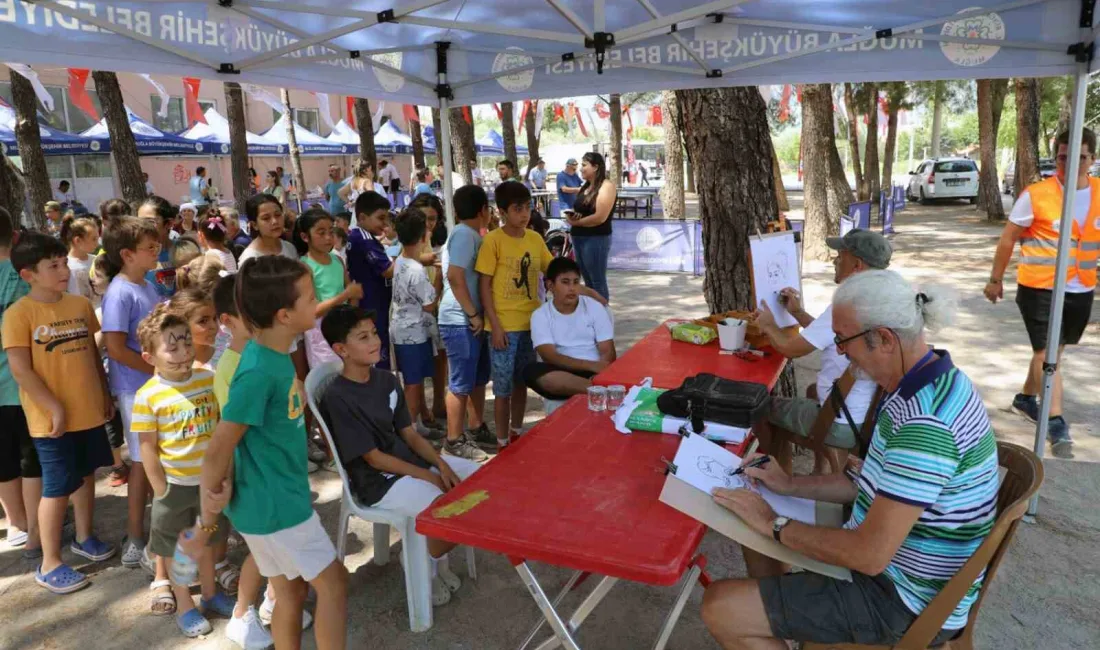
515	264
183	415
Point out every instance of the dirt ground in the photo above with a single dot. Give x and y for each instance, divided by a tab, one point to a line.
1045	595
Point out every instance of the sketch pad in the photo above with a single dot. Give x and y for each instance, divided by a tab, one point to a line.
775	266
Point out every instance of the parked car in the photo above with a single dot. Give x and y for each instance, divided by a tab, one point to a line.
943	178
1046	170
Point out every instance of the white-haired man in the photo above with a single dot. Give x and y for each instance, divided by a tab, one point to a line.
922	502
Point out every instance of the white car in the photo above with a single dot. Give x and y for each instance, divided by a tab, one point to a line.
943	178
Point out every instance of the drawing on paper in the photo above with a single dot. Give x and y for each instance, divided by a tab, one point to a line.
720	472
774	268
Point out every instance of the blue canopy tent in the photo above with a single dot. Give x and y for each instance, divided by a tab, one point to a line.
457	52
391	140
150	140
492	144
309	143
54	141
215	132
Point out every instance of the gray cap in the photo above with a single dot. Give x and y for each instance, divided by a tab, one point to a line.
871	247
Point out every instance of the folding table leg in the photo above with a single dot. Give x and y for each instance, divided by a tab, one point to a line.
546	606
583	610
569	584
678	607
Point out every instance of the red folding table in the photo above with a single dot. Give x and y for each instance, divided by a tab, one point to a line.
669	362
575	493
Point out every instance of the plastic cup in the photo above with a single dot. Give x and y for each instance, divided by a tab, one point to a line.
597	398
615	396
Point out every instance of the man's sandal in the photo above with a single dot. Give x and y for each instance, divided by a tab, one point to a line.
62	580
163	603
228	577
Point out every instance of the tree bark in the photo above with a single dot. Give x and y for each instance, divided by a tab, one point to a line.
462	144
238	145
123	147
890	152
991	96
1065	107
672	190
1027	133
13	191
295	153
853	135
780	191
937	117
508	131
827	193
29	140
533	138
365	122
615	148
870	175
417	137
437	128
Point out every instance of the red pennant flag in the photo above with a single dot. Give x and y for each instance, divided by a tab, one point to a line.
785	104
500	113
798	93
629	120
466	115
559	111
602	111
78	77
656	117
411	113
191	100
580	122
349	102
523	116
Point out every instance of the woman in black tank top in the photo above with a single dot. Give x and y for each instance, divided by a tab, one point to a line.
591	222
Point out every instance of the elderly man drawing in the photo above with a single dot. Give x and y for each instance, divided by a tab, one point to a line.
922	502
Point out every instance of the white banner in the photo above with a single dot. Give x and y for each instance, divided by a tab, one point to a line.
264	95
326	112
164	97
39	90
378	114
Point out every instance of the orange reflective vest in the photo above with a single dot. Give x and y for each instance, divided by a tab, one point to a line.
1039	245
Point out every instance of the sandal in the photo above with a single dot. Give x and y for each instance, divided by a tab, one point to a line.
163	603
227	576
118	475
17	539
193	624
220	604
62	580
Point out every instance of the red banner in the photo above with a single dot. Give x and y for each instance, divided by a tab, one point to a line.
411	113
523	116
466	115
349	102
191	100
629	120
500	113
656	118
580	122
559	111
78	77
602	111
785	104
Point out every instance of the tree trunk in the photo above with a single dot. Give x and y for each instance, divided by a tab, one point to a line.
238	145
1027	133
672	190
615	148
870	175
13	191
532	137
890	152
462	144
991	96
1065	107
123	147
295	153
853	135
365	122
780	191
508	131
437	128
827	193
727	139
937	117
417	138
29	141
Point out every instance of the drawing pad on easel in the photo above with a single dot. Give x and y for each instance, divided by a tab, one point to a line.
774	268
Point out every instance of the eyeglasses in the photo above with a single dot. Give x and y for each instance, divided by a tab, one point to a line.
837	341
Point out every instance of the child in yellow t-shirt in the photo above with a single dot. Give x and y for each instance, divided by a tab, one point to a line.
174	416
509	264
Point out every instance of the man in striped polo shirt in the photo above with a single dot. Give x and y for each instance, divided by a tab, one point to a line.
923	500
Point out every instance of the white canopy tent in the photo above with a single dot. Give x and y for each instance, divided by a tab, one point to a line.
456	52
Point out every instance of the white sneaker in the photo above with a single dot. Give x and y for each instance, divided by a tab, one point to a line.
267	610
248	632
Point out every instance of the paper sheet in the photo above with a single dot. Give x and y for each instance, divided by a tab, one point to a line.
774	268
706	466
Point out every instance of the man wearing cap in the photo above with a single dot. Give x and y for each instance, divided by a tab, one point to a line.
569	184
859	250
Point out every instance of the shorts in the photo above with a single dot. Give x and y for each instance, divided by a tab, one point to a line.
68	459
538	369
176	510
797	415
812	607
318	351
467	356
415	361
18	458
508	364
1034	306
410	496
116	434
395	186
301	551
133	441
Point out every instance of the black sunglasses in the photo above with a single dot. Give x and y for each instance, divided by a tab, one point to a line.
837	341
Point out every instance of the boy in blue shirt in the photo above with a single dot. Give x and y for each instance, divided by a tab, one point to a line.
370	266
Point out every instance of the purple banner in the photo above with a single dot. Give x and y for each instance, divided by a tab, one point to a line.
888	219
638	245
899	198
860	213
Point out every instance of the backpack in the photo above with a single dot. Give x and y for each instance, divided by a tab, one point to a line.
709	397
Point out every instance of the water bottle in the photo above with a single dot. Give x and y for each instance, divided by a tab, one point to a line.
184	571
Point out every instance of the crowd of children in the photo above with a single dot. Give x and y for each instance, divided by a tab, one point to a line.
171	339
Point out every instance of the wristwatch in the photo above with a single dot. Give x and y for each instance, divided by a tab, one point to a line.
777	526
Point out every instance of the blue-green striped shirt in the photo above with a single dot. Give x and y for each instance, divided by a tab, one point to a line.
933	447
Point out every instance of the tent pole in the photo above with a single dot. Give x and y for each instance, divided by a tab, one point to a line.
1065	231
443	142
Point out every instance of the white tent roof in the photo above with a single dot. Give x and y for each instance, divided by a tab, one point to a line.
216	130
503	51
343	134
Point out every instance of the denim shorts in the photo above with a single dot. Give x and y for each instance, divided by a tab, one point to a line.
508	364
467	356
415	361
66	460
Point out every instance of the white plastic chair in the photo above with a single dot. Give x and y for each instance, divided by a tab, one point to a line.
414	546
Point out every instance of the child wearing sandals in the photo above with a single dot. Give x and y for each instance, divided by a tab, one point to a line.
174	416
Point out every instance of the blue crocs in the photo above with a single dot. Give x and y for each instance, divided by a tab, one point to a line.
93	549
220	604
193	624
62	580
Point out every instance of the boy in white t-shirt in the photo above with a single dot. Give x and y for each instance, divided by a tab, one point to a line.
572	334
